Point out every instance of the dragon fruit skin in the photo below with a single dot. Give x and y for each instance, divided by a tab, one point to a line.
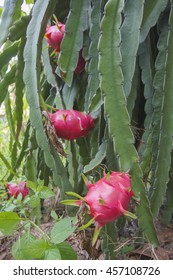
54	35
122	179
15	189
71	124
81	64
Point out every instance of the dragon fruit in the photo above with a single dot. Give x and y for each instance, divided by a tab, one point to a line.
109	197
71	124
54	35
107	200
15	189
81	64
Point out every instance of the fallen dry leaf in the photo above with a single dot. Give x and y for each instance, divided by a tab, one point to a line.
150	252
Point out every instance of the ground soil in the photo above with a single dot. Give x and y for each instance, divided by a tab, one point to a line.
81	242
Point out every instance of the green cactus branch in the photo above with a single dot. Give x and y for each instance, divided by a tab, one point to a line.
130	32
93	77
31	75
152	11
6	19
73	39
166	127
116	111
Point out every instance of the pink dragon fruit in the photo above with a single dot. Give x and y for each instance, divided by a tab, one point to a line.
109	197
106	200
71	124
54	35
15	189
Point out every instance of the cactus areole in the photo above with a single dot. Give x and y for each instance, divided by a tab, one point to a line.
71	124
15	189
107	199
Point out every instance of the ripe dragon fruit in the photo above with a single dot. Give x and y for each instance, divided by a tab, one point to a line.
107	200
54	35
71	124
15	189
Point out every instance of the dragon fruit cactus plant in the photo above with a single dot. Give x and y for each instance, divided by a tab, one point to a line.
15	189
71	124
107	200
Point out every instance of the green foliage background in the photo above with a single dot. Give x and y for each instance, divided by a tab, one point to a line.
126	85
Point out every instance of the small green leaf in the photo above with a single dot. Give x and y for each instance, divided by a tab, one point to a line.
66	251
8	222
52	253
62	229
31	185
10	208
19	251
34	201
36	249
54	215
28	248
45	192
